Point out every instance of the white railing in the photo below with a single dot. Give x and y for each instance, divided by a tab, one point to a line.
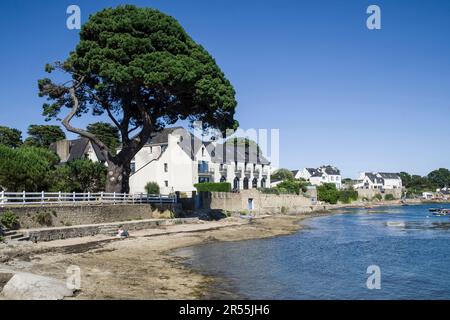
59	198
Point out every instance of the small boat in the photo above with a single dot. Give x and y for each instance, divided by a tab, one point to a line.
442	212
434	209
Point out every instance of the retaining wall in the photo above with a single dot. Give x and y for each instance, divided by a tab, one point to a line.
33	216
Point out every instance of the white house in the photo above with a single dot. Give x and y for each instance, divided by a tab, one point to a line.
322	175
176	160
379	180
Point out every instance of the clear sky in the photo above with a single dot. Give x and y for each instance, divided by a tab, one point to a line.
339	93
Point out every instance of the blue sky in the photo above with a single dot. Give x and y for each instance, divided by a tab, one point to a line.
339	93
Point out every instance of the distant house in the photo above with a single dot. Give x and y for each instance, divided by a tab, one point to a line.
82	148
320	176
379	180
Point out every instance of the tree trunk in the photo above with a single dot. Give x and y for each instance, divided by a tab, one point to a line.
117	179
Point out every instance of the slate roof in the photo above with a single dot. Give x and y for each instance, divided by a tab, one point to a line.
331	170
373	177
77	149
388	175
220	153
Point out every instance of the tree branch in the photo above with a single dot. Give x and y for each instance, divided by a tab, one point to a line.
66	123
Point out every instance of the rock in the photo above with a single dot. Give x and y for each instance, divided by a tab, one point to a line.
27	286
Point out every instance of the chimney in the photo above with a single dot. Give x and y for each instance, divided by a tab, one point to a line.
62	149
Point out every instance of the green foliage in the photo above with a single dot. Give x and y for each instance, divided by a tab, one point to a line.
389	197
44	135
10	137
328	193
44	218
213	187
152	188
140	68
244	142
26	168
347	196
439	178
292	186
9	220
107	133
282	174
269	190
80	176
377	197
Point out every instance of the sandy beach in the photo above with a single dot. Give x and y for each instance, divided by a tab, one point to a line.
142	266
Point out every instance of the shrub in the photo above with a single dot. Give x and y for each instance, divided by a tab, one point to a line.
44	218
284	210
9	220
348	195
269	191
152	188
378	197
213	187
328	193
389	197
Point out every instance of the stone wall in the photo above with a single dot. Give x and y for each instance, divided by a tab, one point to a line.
57	216
56	233
261	203
370	193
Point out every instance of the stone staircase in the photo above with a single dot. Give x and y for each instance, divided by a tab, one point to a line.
108	230
9	234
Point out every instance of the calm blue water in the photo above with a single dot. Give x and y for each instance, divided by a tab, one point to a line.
329	259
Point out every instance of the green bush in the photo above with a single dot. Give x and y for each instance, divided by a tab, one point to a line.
378	197
348	195
328	193
389	197
44	218
9	220
213	187
152	188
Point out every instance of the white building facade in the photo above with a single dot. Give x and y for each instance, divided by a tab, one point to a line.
321	175
177	160
379	181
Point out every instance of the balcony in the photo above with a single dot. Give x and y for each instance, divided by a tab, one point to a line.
248	172
238	172
205	170
256	172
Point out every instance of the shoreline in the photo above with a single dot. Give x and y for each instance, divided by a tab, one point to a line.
146	266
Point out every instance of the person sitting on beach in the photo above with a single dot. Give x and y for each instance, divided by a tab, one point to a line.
122	233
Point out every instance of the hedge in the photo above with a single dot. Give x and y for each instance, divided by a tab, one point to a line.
213	187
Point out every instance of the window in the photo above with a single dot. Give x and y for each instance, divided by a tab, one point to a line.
166	167
246	183
255	183
236	183
166	183
203	151
223	179
203	167
132	167
203	179
332	178
263	183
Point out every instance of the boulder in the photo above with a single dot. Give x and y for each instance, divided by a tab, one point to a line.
27	286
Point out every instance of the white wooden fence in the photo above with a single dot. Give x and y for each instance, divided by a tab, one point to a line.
59	198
